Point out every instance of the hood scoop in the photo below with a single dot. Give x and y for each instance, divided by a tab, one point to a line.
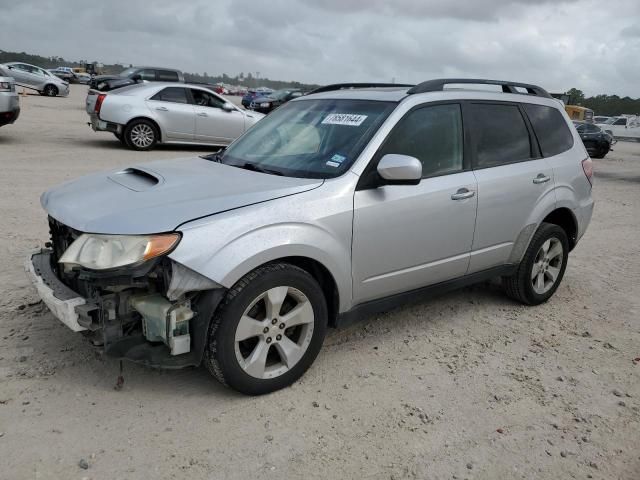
136	179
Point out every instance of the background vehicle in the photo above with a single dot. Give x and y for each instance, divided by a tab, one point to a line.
251	94
36	78
130	76
595	140
9	101
267	103
600	119
627	126
581	114
146	114
241	260
65	73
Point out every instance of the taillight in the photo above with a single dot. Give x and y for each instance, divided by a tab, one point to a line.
587	166
99	101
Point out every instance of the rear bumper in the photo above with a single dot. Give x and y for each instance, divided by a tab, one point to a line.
7	118
101	126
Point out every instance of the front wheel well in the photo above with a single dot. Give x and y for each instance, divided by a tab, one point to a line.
155	124
324	278
564	218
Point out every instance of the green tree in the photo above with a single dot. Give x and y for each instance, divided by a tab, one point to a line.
576	96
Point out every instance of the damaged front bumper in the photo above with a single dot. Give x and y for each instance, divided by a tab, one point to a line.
128	314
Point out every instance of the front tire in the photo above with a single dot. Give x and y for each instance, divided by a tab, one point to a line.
141	135
542	267
50	91
268	330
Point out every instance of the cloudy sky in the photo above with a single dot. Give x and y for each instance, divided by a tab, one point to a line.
559	44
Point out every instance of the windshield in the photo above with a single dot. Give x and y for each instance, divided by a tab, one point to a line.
309	138
128	72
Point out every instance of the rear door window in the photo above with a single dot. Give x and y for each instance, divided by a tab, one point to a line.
149	75
167	76
500	135
550	129
171	94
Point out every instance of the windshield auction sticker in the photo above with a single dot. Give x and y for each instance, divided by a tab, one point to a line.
344	119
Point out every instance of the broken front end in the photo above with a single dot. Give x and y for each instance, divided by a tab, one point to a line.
126	294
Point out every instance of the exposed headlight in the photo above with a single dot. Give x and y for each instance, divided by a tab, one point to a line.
265	105
101	252
6	87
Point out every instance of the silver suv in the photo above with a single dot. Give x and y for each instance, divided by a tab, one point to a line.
338	204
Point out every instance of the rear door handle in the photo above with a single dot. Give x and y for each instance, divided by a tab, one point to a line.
463	194
541	178
162	109
202	114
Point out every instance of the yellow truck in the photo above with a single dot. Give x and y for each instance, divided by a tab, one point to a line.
582	114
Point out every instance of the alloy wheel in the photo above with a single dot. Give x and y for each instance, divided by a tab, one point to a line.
142	135
547	266
274	332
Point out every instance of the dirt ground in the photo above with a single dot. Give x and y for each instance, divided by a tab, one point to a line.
468	385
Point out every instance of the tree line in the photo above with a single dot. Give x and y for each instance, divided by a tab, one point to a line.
610	105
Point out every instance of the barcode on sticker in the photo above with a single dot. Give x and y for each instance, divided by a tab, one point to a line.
350	119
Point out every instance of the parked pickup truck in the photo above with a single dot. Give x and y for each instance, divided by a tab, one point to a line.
9	102
105	83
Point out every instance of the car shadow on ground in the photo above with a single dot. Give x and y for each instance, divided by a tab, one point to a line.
114	143
78	364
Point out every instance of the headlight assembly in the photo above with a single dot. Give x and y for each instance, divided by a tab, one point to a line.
102	252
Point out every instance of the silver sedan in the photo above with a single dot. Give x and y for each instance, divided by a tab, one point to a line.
143	115
35	78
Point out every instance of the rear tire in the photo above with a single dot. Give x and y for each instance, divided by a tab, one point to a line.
141	135
268	330
50	91
542	267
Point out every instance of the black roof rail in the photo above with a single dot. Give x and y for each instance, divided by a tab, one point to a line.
438	84
347	86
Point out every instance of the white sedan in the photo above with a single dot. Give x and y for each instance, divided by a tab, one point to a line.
143	115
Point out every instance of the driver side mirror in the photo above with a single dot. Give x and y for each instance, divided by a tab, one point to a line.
400	169
228	107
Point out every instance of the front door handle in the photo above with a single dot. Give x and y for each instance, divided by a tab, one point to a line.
463	194
541	178
162	109
202	114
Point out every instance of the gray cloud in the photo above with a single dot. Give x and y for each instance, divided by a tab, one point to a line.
558	44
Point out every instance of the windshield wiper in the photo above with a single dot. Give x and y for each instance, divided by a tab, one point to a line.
255	168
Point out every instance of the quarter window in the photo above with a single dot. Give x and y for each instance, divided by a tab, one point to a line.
500	135
433	135
171	94
551	129
620	121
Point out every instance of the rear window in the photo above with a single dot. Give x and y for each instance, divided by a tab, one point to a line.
171	94
167	76
550	128
500	135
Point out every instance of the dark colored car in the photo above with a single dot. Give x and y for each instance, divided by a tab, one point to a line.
251	94
105	83
267	103
595	140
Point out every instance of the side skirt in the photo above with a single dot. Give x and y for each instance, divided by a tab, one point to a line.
364	310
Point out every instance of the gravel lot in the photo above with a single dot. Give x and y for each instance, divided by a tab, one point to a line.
468	385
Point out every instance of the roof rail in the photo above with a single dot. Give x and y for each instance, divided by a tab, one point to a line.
347	86
437	85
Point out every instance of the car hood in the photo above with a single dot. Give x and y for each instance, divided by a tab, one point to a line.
160	196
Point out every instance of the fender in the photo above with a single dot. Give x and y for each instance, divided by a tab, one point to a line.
228	263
